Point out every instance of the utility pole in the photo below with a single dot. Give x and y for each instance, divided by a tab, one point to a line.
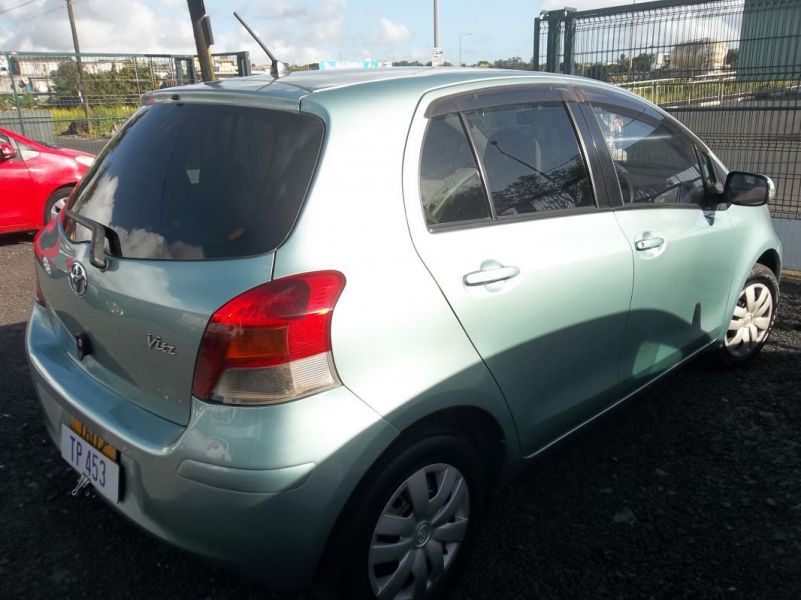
201	27
81	82
436	59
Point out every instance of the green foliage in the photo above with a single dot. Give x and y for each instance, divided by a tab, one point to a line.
25	101
514	62
598	71
105	119
121	85
642	63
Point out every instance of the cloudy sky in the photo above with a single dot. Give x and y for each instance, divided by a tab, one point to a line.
298	31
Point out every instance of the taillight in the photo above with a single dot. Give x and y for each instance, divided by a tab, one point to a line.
272	343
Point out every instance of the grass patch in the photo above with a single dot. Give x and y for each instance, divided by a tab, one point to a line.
105	119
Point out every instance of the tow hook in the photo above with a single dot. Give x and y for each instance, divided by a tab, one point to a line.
83	481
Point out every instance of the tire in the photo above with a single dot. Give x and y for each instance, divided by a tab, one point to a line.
397	527
55	203
753	318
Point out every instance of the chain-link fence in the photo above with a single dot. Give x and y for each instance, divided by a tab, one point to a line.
81	100
729	69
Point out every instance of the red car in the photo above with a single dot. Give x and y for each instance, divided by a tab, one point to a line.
35	180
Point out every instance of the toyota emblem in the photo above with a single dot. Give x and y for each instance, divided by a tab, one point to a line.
77	278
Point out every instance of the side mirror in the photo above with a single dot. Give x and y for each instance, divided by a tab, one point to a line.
7	151
748	189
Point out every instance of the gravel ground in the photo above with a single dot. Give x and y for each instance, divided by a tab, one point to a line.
693	490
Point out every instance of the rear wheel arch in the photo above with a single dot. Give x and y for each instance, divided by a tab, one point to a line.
473	425
59	193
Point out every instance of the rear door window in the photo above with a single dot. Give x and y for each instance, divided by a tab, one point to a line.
532	159
193	181
450	184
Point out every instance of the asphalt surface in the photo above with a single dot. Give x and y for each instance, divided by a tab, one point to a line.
692	490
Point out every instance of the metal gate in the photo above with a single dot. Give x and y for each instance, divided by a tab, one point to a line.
728	69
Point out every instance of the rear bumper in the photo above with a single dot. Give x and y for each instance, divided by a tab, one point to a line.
255	488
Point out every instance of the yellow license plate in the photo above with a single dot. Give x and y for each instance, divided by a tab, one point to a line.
95	440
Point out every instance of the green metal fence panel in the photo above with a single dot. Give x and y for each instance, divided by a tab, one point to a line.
41	98
729	69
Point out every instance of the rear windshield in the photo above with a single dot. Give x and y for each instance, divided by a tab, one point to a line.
192	181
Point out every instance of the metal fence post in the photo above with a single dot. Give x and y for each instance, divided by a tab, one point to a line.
179	71
243	63
16	96
136	74
535	60
554	26
569	62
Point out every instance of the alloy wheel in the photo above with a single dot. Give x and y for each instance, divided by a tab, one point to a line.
57	207
419	533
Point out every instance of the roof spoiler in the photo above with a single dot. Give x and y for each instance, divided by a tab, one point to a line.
278	69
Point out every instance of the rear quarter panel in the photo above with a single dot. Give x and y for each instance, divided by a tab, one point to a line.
48	173
396	343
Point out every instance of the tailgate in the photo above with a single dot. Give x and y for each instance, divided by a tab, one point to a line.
144	319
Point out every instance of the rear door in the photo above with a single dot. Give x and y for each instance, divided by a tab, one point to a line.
16	186
681	240
196	197
505	214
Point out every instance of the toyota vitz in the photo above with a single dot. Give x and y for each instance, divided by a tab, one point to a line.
302	326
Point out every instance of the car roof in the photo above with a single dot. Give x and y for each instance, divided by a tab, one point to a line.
412	80
356	86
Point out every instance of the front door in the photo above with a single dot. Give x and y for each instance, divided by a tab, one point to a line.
682	244
16	186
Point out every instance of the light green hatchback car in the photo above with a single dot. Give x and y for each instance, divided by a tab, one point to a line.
302	326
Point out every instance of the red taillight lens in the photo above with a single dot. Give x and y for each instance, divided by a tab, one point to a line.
272	343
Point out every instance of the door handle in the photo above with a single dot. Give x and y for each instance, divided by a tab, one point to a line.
649	243
491	275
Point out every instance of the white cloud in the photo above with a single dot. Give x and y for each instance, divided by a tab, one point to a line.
392	33
295	35
102	27
579	4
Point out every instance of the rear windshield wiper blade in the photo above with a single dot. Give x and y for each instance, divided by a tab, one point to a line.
100	233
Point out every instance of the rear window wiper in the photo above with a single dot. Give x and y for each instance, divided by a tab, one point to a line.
100	233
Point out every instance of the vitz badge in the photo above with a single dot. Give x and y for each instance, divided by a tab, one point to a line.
155	342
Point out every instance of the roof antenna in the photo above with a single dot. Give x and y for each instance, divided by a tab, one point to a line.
277	68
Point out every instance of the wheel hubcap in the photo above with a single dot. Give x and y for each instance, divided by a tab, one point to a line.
57	207
419	533
750	324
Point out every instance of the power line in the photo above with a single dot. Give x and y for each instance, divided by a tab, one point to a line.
47	12
10	8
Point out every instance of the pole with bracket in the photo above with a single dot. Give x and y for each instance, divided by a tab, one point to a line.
81	80
197	13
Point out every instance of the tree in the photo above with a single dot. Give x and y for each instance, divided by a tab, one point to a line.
598	71
642	63
514	62
119	84
731	58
